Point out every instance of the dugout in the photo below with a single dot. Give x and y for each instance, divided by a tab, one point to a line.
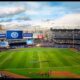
18	45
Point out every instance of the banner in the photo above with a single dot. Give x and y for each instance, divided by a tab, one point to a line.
27	35
2	35
40	36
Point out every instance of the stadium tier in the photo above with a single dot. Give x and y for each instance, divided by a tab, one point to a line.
66	38
60	38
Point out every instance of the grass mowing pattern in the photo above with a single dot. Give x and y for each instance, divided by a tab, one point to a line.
25	60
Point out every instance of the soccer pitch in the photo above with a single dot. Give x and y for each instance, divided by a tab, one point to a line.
30	61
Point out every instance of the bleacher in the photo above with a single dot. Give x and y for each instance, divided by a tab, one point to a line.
66	38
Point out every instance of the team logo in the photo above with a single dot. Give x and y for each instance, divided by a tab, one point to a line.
14	34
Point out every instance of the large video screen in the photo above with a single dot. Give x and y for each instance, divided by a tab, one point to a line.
14	34
3	44
29	41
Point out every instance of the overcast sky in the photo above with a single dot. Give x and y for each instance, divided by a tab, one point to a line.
22	11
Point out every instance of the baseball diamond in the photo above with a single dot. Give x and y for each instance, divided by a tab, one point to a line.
39	40
30	61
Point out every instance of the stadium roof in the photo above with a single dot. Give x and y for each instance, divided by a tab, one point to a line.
70	21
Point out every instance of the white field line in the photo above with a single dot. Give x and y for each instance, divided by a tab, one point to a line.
9	57
39	60
39	68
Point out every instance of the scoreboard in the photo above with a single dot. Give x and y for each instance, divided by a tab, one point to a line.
13	34
29	41
3	44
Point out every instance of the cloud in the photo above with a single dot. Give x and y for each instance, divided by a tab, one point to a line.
7	11
23	18
32	10
69	18
36	10
46	12
73	6
52	8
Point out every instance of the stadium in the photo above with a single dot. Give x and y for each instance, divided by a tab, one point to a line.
30	49
30	55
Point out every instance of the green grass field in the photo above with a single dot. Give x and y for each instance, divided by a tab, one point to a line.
28	61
